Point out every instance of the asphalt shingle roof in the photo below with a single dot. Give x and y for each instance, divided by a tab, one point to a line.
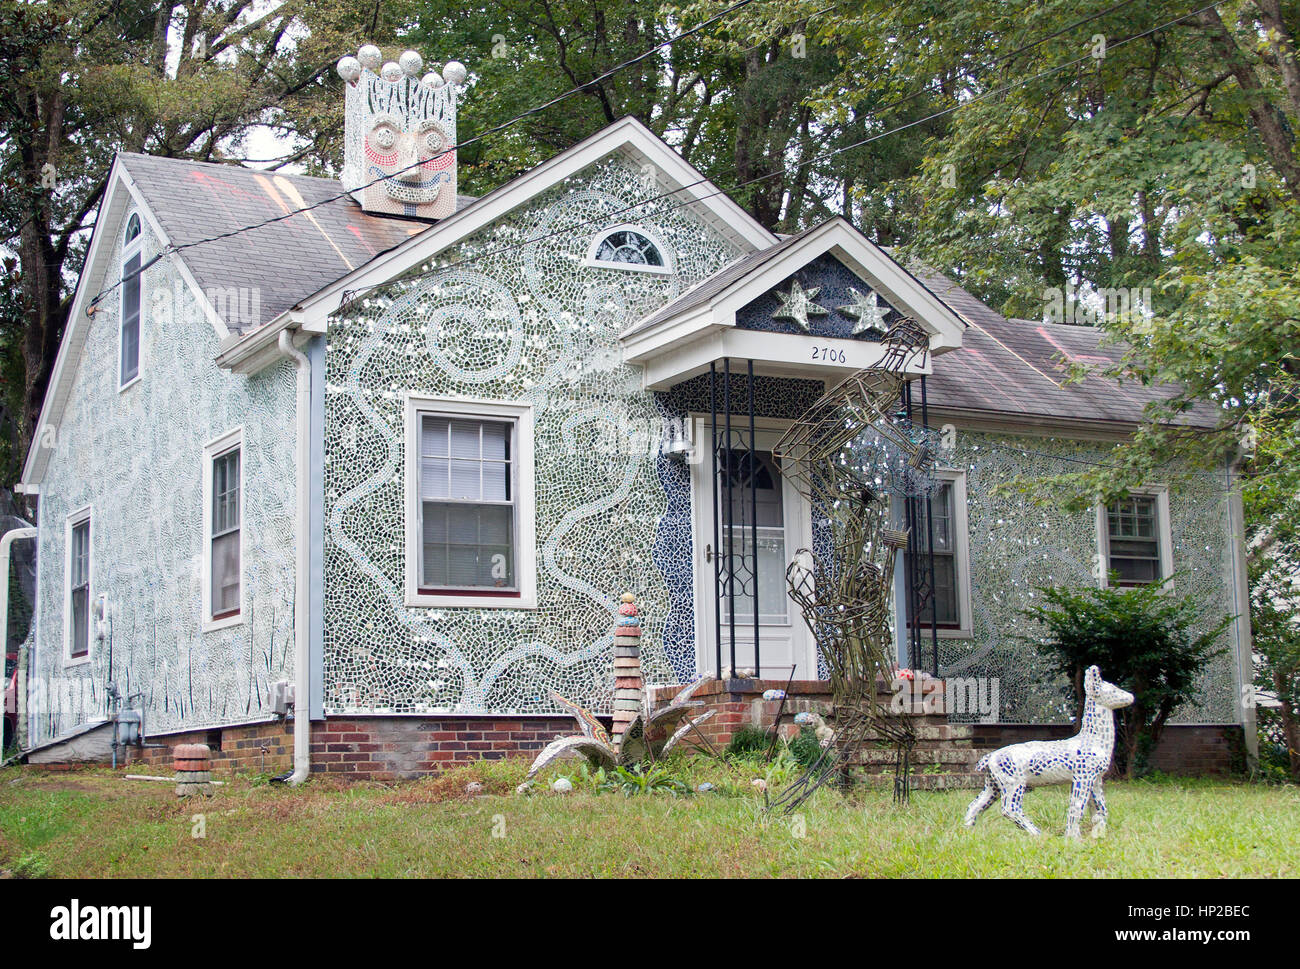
1017	366
284	262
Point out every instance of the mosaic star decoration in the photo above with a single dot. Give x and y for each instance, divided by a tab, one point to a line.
798	304
868	312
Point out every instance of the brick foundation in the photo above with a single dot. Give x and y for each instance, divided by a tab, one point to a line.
1183	749
388	748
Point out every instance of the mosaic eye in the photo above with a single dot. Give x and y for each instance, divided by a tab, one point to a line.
434	142
384	137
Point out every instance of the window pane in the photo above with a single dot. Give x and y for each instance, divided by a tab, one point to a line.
225	574
80	644
468	546
131	318
225	493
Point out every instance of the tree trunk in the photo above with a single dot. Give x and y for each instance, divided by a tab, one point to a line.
1290	728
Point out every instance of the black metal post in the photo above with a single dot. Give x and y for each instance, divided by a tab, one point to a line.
717	544
929	558
731	564
753	516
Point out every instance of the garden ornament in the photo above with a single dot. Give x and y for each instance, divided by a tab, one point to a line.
1082	759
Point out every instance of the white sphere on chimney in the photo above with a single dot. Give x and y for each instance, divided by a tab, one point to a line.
370	57
454	72
349	69
433	79
411	63
392	71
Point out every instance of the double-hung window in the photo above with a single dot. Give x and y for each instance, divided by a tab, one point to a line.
78	606
470	531
949	600
1135	538
129	327
223	521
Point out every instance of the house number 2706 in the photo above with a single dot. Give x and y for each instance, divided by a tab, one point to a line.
829	354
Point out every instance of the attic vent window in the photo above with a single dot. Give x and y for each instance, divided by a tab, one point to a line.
628	248
132	229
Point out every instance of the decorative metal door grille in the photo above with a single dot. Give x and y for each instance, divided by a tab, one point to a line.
735	472
918	573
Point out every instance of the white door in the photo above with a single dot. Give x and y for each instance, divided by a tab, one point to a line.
782	519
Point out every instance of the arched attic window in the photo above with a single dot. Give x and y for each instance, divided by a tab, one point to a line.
132	229
629	247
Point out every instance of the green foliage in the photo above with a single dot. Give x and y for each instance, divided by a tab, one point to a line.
31	865
749	740
1146	639
804	747
638	779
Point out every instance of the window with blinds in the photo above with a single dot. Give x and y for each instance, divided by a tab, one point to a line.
79	590
1133	540
225	538
468	508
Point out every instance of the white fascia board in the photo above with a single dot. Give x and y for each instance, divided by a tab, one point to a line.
774	355
119	196
628	135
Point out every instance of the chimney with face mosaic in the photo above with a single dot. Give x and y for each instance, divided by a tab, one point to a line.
399	124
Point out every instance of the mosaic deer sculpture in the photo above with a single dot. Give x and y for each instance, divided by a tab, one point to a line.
1082	760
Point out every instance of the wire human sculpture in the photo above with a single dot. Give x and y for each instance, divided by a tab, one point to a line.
844	590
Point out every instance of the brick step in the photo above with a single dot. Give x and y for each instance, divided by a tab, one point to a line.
955	780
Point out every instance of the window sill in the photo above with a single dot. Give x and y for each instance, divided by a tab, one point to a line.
71	661
947	633
425	600
225	622
122	388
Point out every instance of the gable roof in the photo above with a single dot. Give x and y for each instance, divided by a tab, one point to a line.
1013	367
284	261
836	235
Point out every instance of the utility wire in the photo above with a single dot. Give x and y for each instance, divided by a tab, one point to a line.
456	147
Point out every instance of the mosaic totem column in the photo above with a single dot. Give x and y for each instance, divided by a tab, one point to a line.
627	667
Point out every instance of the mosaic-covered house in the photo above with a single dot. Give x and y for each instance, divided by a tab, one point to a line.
387	460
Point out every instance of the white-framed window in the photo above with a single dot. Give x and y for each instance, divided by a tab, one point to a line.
78	624
470	529
1134	539
629	247
223	531
950	603
128	343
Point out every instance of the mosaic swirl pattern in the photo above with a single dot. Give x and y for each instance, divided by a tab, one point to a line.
137	458
529	324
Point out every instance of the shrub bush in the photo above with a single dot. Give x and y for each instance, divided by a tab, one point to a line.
1143	638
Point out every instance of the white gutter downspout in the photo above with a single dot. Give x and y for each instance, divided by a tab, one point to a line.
20	694
302	529
1241	605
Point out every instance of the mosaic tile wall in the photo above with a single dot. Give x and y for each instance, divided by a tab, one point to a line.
1016	546
137	458
528	324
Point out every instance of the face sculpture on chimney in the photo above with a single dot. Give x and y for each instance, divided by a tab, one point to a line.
403	126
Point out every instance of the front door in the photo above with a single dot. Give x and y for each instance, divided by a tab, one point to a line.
765	507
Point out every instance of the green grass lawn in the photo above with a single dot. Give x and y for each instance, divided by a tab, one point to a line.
93	823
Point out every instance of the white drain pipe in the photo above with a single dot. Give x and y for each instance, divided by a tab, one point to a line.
20	694
302	531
